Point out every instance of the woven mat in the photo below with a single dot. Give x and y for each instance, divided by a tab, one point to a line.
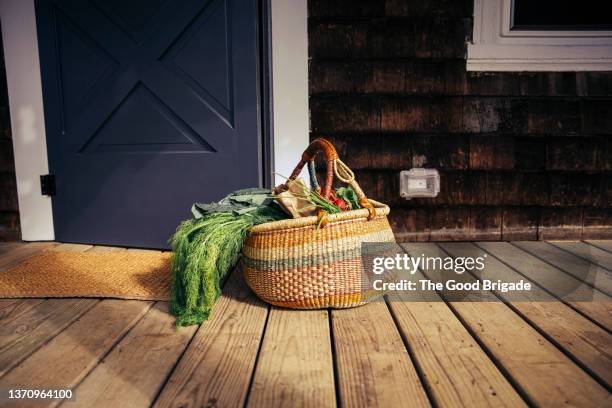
123	275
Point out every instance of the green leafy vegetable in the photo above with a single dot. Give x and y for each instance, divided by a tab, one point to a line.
207	247
348	195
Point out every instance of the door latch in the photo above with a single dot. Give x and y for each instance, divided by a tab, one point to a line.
47	185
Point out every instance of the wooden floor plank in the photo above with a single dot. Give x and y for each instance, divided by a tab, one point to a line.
546	376
580	268
295	365
457	371
10	308
372	363
585	251
7	306
605	244
22	252
216	368
581	338
135	370
65	360
594	304
9	246
32	323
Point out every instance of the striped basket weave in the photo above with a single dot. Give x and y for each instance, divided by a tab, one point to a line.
315	262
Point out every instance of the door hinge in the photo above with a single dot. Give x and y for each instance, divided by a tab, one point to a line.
47	185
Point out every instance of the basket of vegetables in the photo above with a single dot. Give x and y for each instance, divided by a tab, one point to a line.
313	260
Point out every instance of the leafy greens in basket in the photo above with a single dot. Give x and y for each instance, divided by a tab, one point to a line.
208	246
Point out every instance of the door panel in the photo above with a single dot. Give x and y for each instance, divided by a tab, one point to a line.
150	105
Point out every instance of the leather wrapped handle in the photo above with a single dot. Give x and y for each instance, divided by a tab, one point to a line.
334	166
320	145
328	149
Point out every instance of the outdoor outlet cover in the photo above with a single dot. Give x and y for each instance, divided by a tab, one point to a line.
419	183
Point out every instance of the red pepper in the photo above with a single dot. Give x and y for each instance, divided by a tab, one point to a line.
343	205
338	202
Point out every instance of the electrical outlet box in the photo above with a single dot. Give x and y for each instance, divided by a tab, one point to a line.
419	183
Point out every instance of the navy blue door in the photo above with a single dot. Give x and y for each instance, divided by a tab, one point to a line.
150	105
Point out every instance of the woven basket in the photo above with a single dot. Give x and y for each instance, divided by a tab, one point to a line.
315	262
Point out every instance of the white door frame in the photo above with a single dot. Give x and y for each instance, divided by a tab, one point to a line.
289	102
27	117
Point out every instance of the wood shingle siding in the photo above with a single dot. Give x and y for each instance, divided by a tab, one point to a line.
521	155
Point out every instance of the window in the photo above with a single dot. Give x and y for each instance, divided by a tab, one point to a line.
543	35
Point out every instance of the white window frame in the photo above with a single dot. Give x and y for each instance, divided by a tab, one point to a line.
496	47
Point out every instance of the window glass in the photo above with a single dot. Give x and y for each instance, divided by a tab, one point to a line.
562	15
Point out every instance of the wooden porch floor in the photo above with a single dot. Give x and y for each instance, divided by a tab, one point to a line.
128	353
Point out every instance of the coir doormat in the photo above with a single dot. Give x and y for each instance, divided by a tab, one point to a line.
123	275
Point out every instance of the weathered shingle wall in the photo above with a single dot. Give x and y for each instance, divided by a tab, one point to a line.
521	155
9	212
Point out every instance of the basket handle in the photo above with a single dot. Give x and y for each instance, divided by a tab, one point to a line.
334	167
328	149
